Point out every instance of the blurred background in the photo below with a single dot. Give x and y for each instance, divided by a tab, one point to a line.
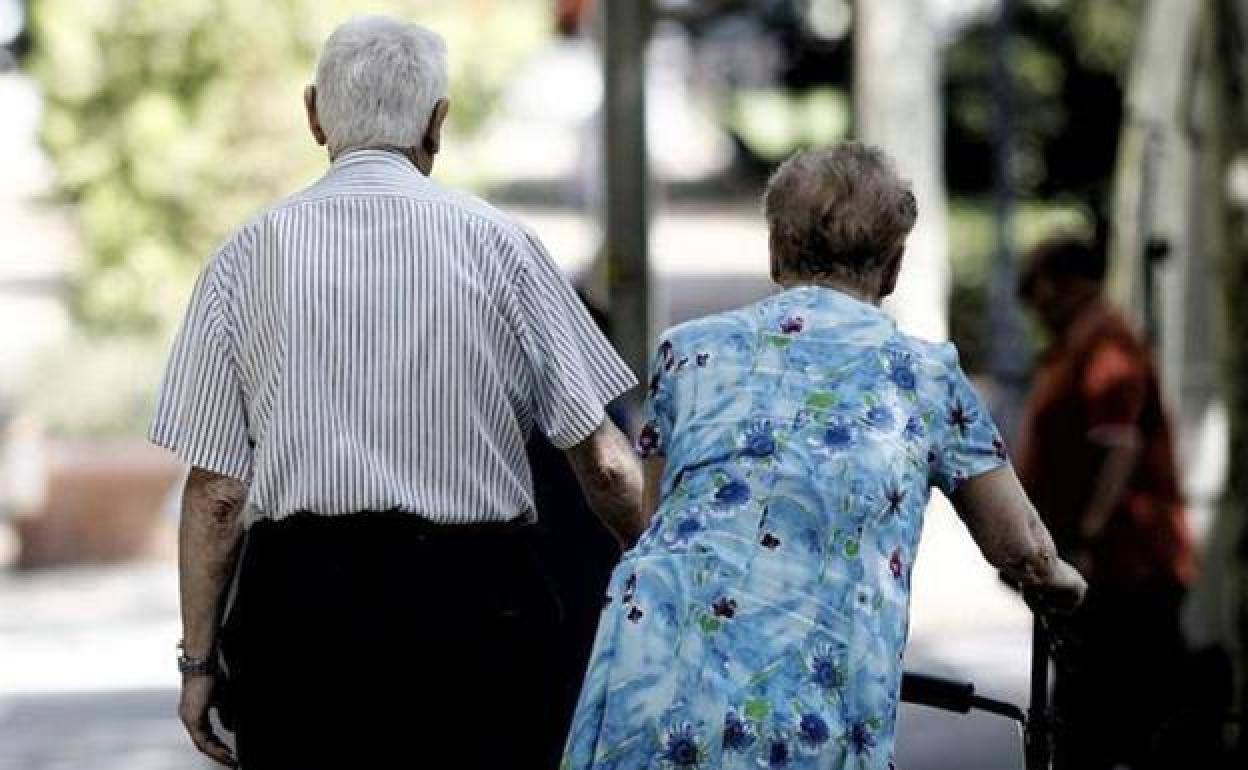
635	138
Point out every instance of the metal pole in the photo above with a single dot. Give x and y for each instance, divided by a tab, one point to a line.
627	24
1006	341
1040	717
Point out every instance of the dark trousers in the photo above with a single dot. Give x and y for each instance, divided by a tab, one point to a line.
377	640
1121	678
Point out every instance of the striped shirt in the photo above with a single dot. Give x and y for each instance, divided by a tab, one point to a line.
378	342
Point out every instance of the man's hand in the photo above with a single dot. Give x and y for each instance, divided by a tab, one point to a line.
193	711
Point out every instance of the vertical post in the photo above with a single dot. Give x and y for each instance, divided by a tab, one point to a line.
1006	354
1227	230
627	25
1039	735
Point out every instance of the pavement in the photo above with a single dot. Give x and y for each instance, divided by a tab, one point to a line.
87	681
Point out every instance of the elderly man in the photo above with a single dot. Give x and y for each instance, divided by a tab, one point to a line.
353	385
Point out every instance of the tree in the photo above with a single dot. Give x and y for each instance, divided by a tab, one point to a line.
172	121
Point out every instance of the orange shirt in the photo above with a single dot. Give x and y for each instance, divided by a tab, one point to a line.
1100	377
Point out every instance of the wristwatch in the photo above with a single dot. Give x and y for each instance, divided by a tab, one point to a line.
189	666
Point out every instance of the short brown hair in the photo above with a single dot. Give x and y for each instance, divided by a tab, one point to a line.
1063	257
842	210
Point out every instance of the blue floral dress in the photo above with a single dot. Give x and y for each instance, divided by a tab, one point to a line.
760	621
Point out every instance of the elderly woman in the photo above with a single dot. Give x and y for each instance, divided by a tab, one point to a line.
792	446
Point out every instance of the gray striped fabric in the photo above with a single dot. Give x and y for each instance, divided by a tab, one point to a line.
378	342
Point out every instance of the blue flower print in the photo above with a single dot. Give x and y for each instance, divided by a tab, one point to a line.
812	732
766	625
838	436
895	497
724	607
737	734
998	449
914	429
961	417
667	354
902	373
734	492
802	418
880	417
825	670
681	747
684	529
648	440
896	564
778	754
861	739
688	527
759	440
653	388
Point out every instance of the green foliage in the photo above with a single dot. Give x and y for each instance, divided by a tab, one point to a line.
173	121
1067	61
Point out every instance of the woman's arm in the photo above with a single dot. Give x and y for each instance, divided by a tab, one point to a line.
1011	536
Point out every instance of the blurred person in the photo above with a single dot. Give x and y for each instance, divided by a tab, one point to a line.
791	448
353	385
1098	460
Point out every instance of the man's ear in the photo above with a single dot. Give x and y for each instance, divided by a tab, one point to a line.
314	120
432	142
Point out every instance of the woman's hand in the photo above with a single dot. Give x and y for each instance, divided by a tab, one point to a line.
193	711
1062	592
1009	532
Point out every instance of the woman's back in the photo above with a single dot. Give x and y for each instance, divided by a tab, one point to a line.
792	446
801	435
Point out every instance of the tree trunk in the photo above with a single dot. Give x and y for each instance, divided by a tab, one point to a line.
897	107
1229	145
1220	124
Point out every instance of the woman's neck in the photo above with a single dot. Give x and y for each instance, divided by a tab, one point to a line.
855	290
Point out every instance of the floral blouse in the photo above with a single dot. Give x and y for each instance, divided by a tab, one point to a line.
761	620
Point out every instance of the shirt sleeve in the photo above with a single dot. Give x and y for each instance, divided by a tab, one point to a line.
200	411
1115	387
966	442
657	416
575	371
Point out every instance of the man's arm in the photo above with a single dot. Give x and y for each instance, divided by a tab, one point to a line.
208	538
1120	450
1011	536
610	477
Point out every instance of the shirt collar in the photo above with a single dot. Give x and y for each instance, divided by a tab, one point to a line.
844	302
376	158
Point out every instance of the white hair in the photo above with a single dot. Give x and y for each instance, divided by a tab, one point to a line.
377	82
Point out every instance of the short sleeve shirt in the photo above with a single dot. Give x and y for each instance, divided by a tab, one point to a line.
378	342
